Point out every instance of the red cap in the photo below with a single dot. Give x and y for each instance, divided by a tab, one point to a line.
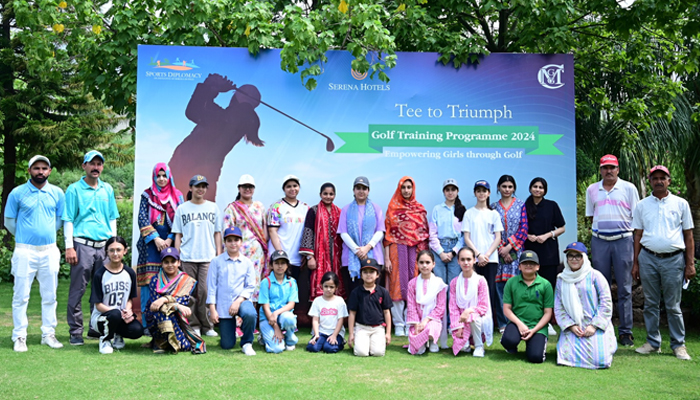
609	159
659	168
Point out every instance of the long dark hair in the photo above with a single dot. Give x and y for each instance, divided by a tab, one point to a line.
530	203
506	178
460	209
324	186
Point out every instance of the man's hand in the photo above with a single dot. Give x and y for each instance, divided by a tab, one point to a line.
71	256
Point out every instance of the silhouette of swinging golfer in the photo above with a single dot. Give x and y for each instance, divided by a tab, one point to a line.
218	130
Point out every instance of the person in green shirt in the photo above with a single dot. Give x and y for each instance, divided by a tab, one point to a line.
528	300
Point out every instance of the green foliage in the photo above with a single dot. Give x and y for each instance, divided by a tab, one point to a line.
691	296
6	255
124	225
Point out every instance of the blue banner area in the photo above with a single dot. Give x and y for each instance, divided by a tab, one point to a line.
221	112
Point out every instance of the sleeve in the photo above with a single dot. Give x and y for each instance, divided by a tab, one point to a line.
352	301
229	217
439	310
218	226
482	297
60	208
308	237
563	319
342	308
603	316
548	295
177	221
113	211
518	239
212	276
134	287
153	295
381	223
273	216
433	229
455	312
387	303
201	107
12	205
376	238
497	222
96	295
294	293
264	293
633	198
590	205
412	315
148	232
686	216
465	222
507	295
11	224
71	208
314	310
349	242
249	287
558	219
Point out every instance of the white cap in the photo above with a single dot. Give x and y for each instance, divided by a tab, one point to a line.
39	158
246	180
290	178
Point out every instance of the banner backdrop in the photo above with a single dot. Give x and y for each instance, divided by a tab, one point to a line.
221	112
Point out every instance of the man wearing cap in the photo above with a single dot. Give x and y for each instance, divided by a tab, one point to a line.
89	220
663	257
609	205
33	215
197	227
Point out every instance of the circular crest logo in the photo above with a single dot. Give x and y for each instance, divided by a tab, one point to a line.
358	75
549	76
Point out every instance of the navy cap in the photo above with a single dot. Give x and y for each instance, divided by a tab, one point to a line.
278	255
369	263
235	231
529	255
482	184
577	246
198	179
169	252
90	155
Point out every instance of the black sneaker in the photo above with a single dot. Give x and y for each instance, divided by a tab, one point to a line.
93	334
76	340
627	340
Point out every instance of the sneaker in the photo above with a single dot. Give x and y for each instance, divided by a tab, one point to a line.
93	334
106	346
405	330
681	353
76	340
248	349
627	340
198	332
550	330
261	341
146	332
290	348
501	330
211	333
21	345
434	347
647	349
422	349
118	342
467	348
51	341
399	331
239	332
479	351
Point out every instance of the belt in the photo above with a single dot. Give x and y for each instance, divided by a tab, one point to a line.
35	248
87	242
610	238
663	255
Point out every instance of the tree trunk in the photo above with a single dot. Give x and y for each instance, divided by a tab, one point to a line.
692	184
6	86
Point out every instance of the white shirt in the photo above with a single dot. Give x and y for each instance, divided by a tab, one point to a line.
197	223
290	221
663	222
328	313
482	226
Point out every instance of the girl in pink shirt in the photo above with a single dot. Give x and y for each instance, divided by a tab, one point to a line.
425	306
470	308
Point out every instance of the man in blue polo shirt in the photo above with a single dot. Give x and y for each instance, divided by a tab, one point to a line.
33	214
90	218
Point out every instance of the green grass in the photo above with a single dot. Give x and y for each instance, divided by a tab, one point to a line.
81	372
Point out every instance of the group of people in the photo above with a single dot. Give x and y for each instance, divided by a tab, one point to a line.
454	272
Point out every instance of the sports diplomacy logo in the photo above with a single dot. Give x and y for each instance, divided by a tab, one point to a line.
358	86
177	70
549	76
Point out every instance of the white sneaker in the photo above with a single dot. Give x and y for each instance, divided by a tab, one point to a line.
248	349
290	348
20	345
106	346
118	342
551	331
467	348
434	347
405	330
479	351
681	353
400	331
51	341
198	332
422	349
647	349
211	333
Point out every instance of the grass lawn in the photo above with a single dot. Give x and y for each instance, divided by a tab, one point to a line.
81	372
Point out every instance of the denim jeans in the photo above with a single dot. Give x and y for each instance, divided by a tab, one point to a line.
322	344
287	322
227	326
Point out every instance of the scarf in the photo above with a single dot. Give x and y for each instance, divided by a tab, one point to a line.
470	299
569	294
327	247
369	226
254	227
163	200
406	220
181	285
428	300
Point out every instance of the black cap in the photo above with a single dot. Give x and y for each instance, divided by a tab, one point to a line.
370	263
279	254
529	255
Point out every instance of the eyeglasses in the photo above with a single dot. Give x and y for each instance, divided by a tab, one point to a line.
574	256
114	251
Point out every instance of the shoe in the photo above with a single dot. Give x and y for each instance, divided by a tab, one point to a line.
146	332
479	351
76	340
198	332
681	353
406	330
106	346
93	334
118	342
261	341
211	333
21	345
434	347
550	330
248	349
647	349
467	348
501	330
51	341
422	349
239	332
290	348
627	340
399	331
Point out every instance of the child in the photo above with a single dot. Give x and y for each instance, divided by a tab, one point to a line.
425	305
328	313
278	295
369	306
470	308
528	300
113	287
230	284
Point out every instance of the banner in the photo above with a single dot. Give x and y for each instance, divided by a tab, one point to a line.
221	112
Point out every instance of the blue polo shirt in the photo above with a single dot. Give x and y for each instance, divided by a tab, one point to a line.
277	294
90	209
37	212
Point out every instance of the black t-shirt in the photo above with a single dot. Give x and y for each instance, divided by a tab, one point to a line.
547	219
369	306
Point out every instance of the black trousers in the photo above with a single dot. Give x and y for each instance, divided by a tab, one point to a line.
111	323
535	349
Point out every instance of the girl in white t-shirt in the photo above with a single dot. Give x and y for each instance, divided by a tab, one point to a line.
328	313
482	228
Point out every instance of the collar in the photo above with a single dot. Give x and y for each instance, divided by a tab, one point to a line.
521	280
273	279
444	204
35	189
237	259
615	186
84	184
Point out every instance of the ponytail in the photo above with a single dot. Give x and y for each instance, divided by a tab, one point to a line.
459	209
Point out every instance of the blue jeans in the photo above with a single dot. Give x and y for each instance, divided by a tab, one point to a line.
227	326
145	296
322	344
500	317
287	322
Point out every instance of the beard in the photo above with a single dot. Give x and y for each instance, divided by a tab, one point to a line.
39	180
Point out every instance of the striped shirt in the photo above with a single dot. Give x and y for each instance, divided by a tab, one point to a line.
611	211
